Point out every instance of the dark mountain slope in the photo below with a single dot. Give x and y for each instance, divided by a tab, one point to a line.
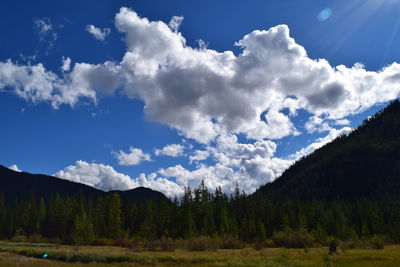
141	194
20	185
366	163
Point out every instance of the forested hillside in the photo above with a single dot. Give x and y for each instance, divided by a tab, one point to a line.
366	163
347	190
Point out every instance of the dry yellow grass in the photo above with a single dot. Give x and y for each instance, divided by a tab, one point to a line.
390	256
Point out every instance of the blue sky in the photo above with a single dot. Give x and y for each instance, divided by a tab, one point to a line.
163	94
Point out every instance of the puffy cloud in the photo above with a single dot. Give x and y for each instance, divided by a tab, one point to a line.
342	122
164	185
99	34
204	93
99	176
199	155
317	124
213	97
35	83
251	165
134	157
66	64
173	150
14	168
104	177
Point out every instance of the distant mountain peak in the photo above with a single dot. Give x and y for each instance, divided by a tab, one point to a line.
20	185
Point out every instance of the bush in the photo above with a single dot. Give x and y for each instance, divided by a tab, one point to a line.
333	244
35	238
19	238
54	240
163	244
103	242
356	244
122	242
377	242
269	243
137	244
293	239
202	243
258	245
230	242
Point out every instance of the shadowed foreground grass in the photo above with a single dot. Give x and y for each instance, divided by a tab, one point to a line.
23	254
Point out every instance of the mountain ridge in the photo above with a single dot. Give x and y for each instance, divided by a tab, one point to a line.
19	185
364	163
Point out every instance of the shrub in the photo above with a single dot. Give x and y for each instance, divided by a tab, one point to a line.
269	243
230	242
293	239
356	244
104	242
137	244
377	242
279	238
202	243
333	244
258	245
122	242
328	260
35	238
163	244
19	238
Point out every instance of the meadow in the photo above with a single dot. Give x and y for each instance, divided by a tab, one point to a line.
28	254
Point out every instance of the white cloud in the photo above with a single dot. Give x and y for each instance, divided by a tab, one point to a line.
173	150
317	124
45	31
99	176
175	23
14	168
199	155
342	122
66	64
43	25
251	165
34	83
204	93
104	177
99	34
320	142
213	97
134	157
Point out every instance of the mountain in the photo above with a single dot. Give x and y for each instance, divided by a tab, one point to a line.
141	194
365	163
20	185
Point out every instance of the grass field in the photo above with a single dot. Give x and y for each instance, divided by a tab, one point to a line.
24	254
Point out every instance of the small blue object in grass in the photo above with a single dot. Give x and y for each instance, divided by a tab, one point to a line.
45	255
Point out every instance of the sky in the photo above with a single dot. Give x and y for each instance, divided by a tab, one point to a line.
118	94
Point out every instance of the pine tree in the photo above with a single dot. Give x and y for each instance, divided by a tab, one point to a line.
113	219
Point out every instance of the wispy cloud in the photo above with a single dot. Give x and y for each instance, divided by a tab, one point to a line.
46	31
99	34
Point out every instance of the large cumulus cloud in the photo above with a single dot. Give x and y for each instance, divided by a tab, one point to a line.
105	177
211	97
202	92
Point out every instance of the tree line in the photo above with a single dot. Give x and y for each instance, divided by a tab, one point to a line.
199	212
